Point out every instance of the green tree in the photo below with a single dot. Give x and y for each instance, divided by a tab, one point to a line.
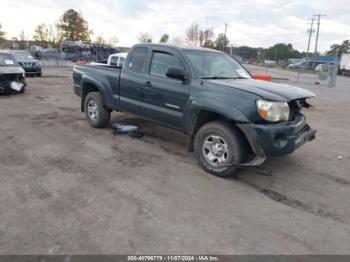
72	26
246	52
2	33
339	48
281	51
221	42
164	38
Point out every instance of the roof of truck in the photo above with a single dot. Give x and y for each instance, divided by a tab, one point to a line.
195	48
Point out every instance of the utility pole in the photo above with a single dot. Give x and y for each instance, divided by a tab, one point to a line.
318	30
310	34
225	37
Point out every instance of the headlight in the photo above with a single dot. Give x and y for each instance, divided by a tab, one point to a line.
273	111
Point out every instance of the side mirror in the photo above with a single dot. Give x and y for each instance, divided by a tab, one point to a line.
176	73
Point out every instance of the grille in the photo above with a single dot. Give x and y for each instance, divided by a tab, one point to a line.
26	64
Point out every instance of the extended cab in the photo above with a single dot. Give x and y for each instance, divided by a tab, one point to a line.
231	119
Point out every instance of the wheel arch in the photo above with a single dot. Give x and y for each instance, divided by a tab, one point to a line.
88	87
203	116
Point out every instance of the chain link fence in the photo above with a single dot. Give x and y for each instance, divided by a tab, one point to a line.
325	75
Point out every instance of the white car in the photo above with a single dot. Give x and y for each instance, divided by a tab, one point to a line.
117	59
321	67
296	65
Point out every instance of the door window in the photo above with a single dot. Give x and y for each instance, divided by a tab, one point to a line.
161	62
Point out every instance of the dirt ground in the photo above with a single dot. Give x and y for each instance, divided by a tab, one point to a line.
66	188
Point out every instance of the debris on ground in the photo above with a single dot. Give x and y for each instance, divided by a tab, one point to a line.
131	130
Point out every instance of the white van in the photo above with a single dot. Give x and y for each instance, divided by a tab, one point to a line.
117	59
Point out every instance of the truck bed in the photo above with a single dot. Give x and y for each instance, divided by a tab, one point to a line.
101	73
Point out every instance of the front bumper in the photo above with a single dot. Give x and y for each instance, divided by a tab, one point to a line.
278	139
29	70
5	87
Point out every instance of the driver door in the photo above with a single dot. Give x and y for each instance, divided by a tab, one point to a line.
164	99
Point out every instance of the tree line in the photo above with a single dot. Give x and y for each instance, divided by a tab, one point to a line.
195	35
72	26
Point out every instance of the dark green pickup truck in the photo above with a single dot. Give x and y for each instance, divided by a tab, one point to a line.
231	119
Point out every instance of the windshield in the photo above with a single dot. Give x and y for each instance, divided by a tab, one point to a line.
214	65
22	56
7	60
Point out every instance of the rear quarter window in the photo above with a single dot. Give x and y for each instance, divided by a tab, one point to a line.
137	59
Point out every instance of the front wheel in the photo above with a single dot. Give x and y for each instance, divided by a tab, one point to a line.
219	148
96	113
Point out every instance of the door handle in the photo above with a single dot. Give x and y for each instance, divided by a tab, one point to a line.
148	84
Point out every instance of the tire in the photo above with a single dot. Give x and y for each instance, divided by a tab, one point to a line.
39	74
220	135
96	113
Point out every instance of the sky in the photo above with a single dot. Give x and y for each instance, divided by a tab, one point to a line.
256	23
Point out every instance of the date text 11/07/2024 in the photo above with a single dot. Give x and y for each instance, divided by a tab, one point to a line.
173	258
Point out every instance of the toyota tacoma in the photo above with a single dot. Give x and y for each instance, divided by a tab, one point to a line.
231	120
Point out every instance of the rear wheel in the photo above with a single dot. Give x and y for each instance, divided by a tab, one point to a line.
96	113
219	148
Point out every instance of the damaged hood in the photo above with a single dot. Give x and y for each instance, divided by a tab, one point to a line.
267	90
11	70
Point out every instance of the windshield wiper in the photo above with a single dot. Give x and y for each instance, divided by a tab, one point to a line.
239	77
223	77
216	77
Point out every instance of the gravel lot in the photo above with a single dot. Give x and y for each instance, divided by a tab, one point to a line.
66	188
